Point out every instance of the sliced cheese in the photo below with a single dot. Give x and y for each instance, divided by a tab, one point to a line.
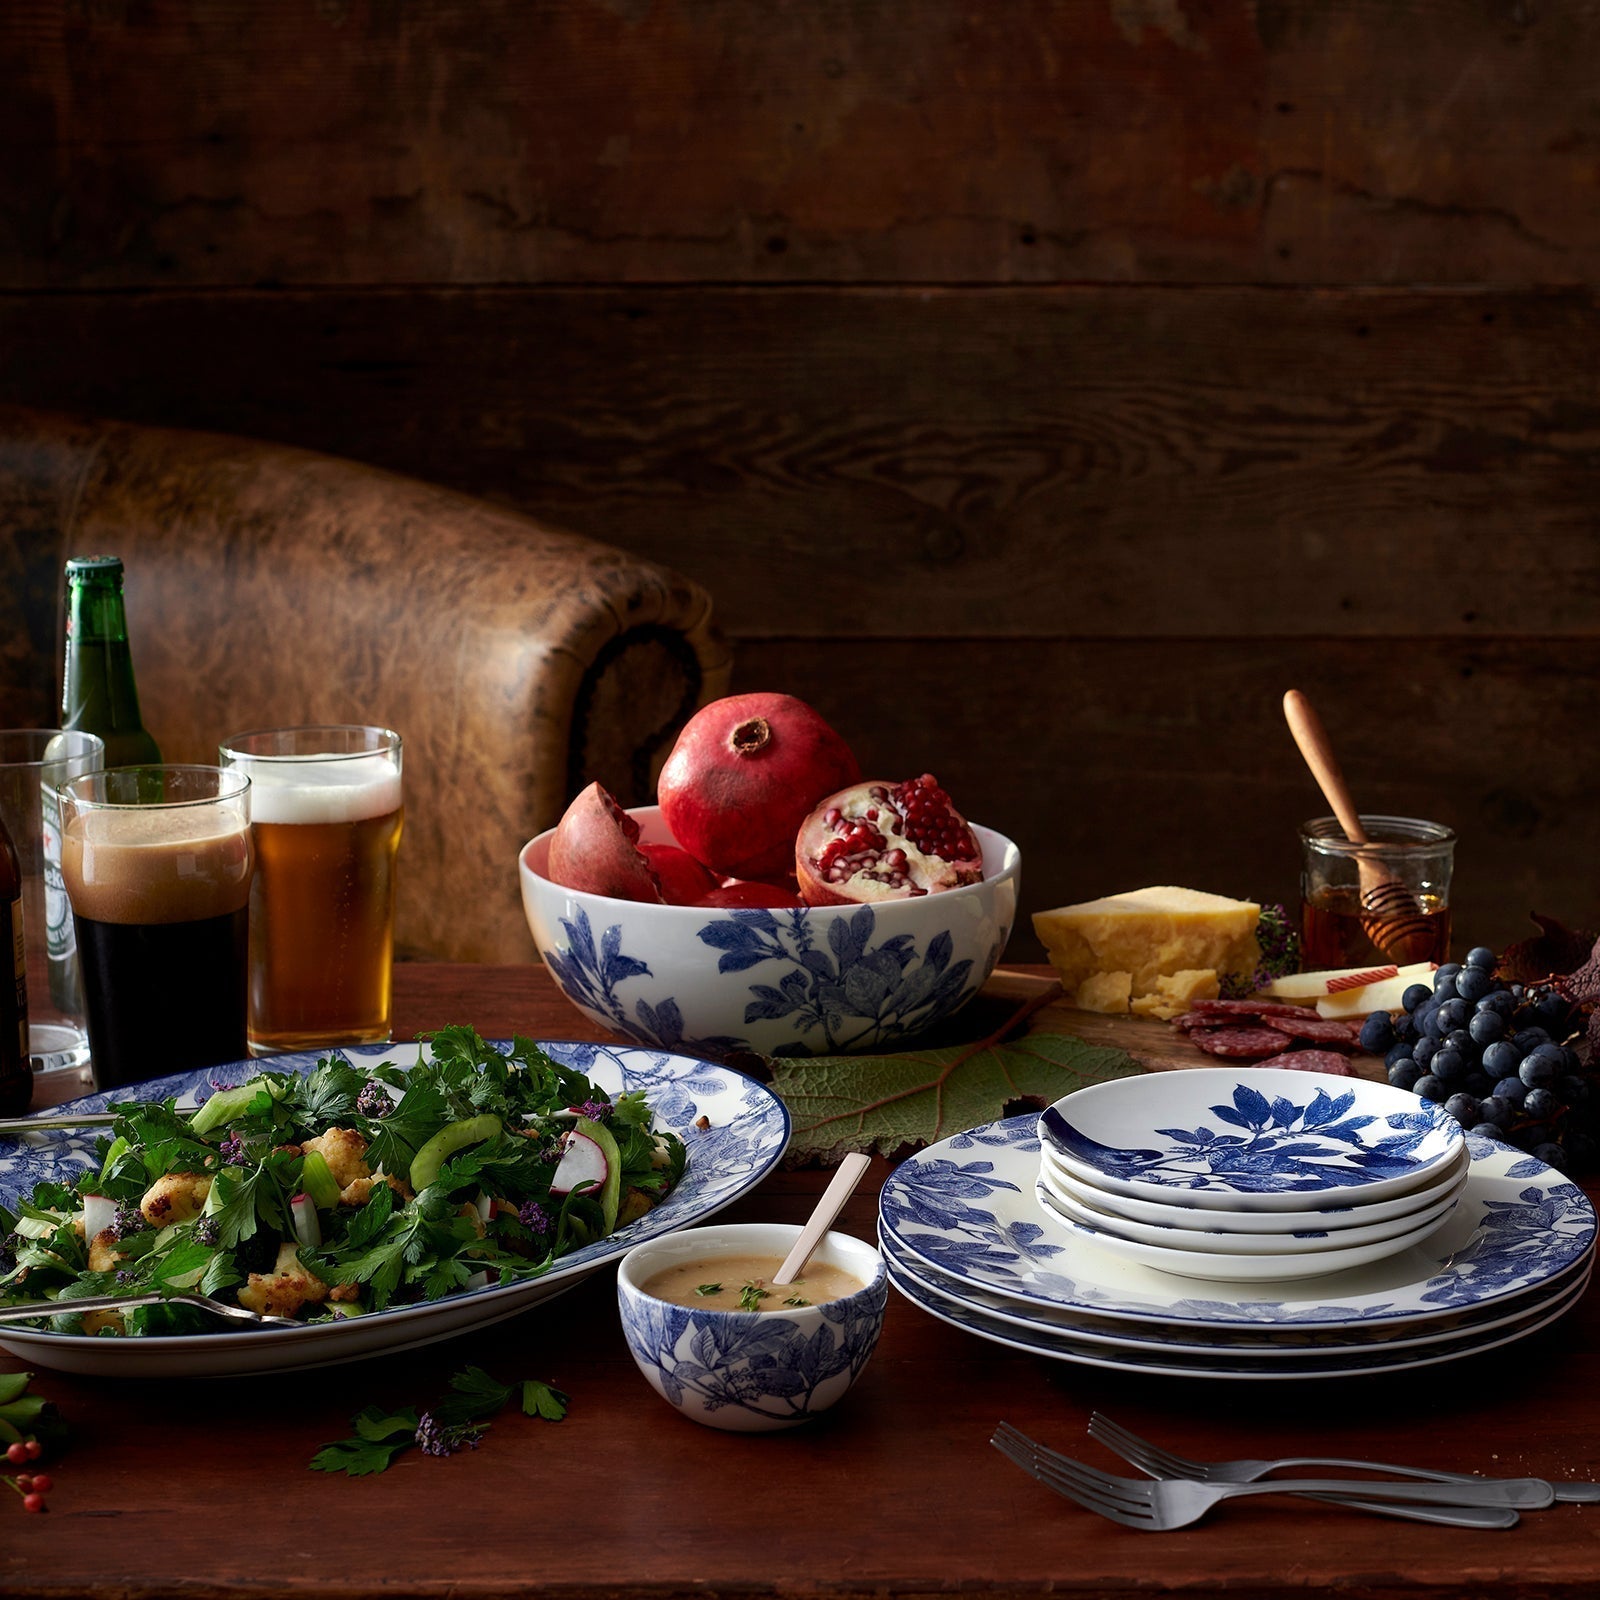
1175	991
1150	934
1385	995
1309	986
1105	991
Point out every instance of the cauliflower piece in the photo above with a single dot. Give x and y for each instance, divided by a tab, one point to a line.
359	1190
175	1197
283	1291
345	1152
103	1252
99	1321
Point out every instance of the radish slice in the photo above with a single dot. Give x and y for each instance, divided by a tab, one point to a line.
99	1213
303	1214
582	1161
484	1206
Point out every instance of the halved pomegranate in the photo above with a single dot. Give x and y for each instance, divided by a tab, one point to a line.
885	841
595	849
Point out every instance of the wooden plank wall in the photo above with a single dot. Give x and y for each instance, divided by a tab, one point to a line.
1041	387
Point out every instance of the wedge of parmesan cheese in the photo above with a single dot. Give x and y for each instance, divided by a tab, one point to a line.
1150	934
1108	992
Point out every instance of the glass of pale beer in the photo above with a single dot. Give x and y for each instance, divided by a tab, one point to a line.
157	863
326	814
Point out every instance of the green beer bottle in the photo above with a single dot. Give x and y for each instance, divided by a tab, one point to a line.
97	689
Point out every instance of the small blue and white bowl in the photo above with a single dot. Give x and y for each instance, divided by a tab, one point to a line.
751	1371
821	980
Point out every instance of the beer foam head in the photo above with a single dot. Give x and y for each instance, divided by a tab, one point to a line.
322	789
157	863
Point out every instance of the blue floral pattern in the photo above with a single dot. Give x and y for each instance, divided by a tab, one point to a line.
844	993
976	1222
781	1369
1277	1146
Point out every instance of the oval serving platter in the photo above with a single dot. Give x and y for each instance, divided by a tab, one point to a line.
747	1133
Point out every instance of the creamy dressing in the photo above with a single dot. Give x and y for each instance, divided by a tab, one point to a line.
744	1283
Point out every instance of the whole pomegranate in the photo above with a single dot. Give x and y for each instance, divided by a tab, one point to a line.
742	777
595	849
885	841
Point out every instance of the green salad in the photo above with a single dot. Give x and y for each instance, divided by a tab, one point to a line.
341	1191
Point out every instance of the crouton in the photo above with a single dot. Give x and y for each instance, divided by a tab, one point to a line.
359	1190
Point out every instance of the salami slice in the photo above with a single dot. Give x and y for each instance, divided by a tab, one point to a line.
1239	1044
1246	1008
1318	1030
1312	1061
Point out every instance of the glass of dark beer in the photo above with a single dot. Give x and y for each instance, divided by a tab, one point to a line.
157	863
326	815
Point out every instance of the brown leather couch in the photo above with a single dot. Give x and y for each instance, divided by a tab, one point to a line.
269	586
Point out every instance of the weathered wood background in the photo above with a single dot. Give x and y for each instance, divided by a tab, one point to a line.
1041	388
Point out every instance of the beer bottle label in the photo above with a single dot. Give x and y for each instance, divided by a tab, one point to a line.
60	938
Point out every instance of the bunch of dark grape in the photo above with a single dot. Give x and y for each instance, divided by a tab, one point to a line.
1497	1056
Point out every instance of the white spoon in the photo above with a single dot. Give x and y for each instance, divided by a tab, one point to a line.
828	1207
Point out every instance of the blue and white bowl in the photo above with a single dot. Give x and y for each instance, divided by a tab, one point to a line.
820	980
751	1371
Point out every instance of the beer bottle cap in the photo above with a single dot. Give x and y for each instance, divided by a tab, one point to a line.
94	566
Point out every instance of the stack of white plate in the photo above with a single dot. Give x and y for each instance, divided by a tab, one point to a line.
971	1233
1250	1176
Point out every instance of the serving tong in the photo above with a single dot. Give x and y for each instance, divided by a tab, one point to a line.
46	1121
32	1310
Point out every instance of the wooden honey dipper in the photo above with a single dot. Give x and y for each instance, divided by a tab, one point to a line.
1391	915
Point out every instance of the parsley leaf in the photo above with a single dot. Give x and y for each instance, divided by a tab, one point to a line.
379	1437
543	1400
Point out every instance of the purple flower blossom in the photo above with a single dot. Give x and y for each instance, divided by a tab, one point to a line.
532	1217
594	1110
207	1231
233	1151
126	1277
373	1102
437	1439
128	1219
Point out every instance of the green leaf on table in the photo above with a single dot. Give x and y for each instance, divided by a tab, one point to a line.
887	1104
379	1437
543	1400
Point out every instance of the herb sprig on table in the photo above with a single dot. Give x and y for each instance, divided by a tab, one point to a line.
456	1421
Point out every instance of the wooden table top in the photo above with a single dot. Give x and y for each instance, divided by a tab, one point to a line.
202	1488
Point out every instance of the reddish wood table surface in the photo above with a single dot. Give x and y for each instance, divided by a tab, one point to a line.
202	1488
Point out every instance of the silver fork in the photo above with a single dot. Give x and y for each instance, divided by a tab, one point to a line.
114	1302
1166	1503
1161	1463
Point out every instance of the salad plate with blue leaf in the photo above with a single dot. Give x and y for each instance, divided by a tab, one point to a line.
1265	1139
